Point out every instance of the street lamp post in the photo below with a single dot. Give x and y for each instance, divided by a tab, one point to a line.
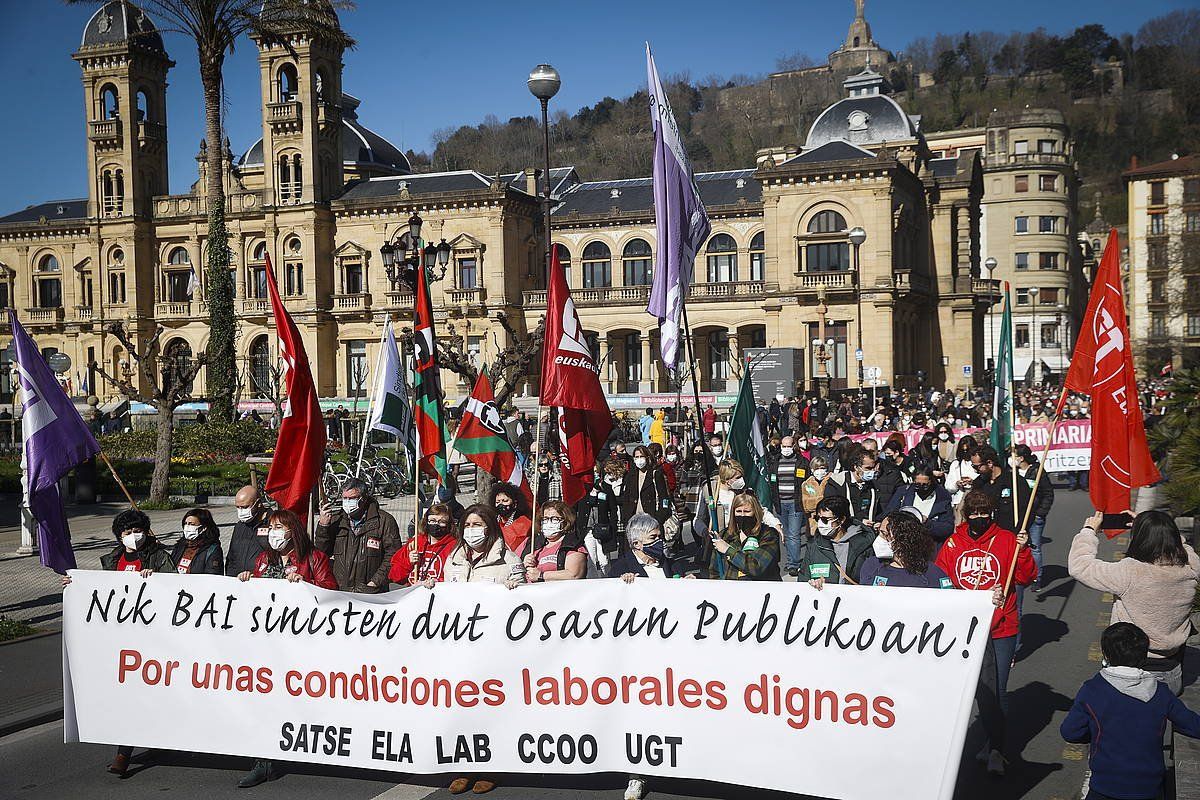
1034	295
544	82
857	237
404	254
989	358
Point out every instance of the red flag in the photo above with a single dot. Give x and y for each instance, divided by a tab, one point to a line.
571	382
483	440
300	448
1103	368
427	386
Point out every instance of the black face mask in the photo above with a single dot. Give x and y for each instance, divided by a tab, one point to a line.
977	526
656	550
435	530
923	491
744	523
504	509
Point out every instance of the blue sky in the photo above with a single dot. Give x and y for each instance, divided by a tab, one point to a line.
417	72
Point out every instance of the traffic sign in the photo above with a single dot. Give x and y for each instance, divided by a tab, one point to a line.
872	373
858	354
967	370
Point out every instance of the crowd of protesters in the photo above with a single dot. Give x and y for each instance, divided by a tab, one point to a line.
668	501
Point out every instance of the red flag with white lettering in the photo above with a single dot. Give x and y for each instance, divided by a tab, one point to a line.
1103	368
300	448
571	381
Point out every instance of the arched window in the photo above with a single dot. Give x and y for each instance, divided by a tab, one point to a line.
564	260
109	109
722	259
758	256
287	82
827	222
116	276
637	263
260	252
293	267
597	266
143	106
112	191
319	84
179	257
48	285
176	361
290	178
49	263
260	367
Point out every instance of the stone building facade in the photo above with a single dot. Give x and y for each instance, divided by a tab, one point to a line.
321	194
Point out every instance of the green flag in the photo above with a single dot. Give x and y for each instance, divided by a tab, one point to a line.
746	444
1001	439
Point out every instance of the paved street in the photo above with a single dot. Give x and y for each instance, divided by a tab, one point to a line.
1059	650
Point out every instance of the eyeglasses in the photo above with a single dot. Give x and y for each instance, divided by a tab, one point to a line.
547	518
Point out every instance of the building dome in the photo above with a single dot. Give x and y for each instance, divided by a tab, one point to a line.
361	146
866	117
119	22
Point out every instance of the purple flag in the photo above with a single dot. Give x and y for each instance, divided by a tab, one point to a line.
680	221
56	439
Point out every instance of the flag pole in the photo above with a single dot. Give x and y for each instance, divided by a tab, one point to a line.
133	504
694	368
537	475
1012	410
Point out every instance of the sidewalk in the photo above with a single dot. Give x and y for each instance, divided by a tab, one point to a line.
31	674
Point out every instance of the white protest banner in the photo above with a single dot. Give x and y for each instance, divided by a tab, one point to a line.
776	686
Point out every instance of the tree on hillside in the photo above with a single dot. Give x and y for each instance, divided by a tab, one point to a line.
215	27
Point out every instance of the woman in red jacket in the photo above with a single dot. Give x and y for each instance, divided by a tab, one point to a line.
290	554
977	556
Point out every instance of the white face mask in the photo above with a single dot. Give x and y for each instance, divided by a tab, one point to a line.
718	451
882	548
945	437
824	527
245	514
613	481
868	475
737	484
787	452
672	458
350	504
474	535
551	528
640	463
277	538
191	532
133	541
820	474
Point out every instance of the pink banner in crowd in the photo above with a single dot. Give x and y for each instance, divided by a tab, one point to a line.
1070	452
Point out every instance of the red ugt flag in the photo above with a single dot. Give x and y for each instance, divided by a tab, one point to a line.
571	381
300	448
1103	368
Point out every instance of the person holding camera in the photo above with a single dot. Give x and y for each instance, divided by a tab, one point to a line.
360	539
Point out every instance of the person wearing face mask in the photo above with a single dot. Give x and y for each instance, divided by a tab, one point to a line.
747	547
716	448
960	476
645	555
1043	501
618	452
786	472
480	554
198	551
547	482
423	557
811	492
927	495
903	556
668	459
996	481
599	513
512	512
857	486
944	447
360	539
818	445
977	557
562	556
646	491
894	470
249	532
836	550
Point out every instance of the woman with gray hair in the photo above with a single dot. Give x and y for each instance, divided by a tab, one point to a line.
646	555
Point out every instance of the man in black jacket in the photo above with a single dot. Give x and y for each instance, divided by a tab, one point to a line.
1027	466
996	481
858	487
249	532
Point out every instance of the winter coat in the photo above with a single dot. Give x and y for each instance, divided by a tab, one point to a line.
940	523
153	555
959	470
742	561
627	563
606	507
865	504
1001	492
983	564
245	546
495	566
207	560
1043	500
821	561
890	478
315	569
431	555
655	496
797	466
1158	599
360	554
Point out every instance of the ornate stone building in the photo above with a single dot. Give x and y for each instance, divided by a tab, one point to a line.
320	193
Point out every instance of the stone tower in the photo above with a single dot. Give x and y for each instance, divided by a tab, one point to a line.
859	50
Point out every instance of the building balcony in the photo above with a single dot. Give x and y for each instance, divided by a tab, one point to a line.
466	297
44	316
255	307
398	299
350	303
106	131
328	114
84	313
1015	159
986	290
284	117
176	310
721	291
151	132
840	280
1152	230
906	280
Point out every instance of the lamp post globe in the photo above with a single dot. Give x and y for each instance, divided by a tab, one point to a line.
857	236
543	82
989	266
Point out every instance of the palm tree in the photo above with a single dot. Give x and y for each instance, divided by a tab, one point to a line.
215	26
1175	441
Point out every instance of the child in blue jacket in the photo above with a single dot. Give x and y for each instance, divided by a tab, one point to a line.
1122	712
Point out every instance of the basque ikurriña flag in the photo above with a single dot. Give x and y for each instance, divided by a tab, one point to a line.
483	440
680	222
428	419
56	440
571	383
1102	367
300	447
